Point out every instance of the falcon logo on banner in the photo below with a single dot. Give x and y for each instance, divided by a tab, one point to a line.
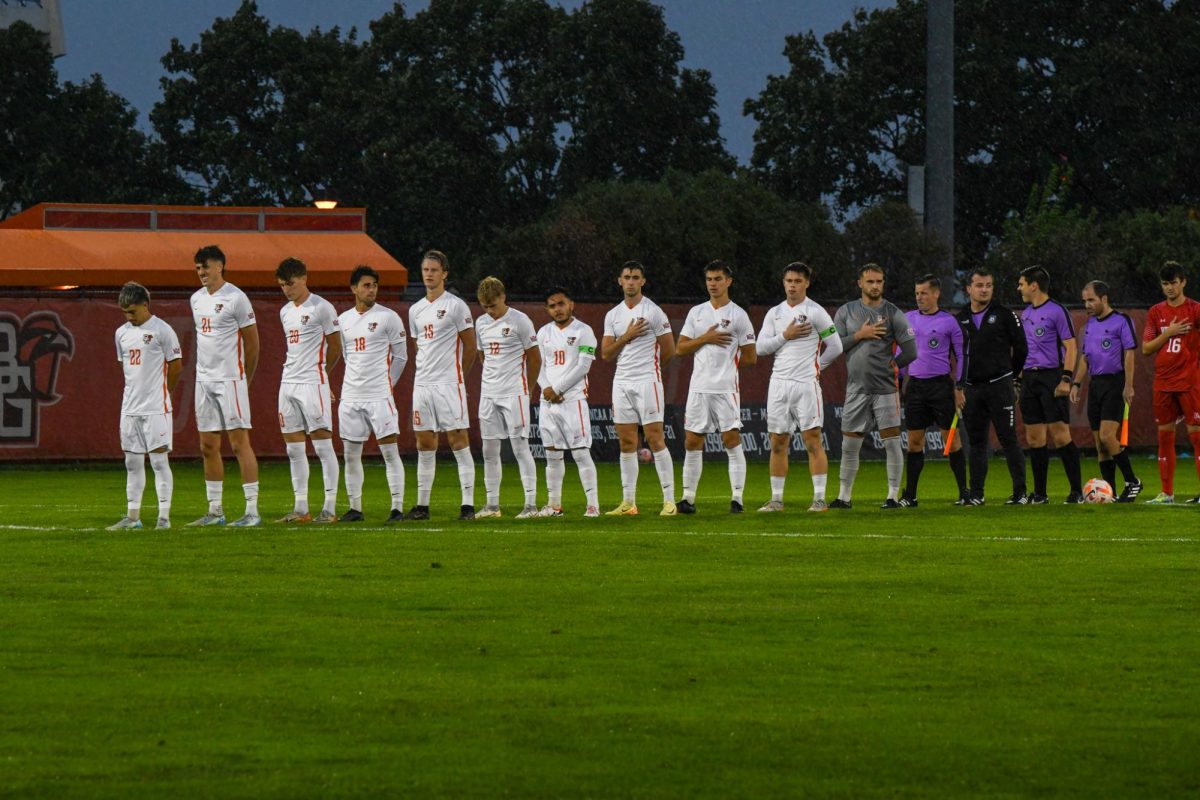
30	352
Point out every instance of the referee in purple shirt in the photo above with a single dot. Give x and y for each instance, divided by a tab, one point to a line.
931	395
1046	383
1106	358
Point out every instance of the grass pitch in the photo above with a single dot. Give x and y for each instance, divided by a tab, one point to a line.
935	652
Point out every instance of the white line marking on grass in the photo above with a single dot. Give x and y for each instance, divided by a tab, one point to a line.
916	537
28	528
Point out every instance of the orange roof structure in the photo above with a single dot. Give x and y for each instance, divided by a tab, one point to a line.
85	244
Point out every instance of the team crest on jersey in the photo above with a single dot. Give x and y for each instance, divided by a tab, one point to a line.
304	320
441	312
1106	344
725	323
217	308
30	352
147	338
570	341
934	344
991	318
1039	331
371	326
505	331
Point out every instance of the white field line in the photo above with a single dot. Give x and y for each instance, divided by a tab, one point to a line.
954	538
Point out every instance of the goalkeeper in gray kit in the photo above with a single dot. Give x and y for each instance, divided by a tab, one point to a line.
871	330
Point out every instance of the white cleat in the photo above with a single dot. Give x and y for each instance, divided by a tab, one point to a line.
592	511
325	518
550	511
488	511
164	524
528	512
771	507
207	520
125	524
248	521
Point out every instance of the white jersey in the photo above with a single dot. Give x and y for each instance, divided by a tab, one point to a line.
715	368
502	344
562	349
305	327
144	352
796	360
371	342
435	327
220	317
638	361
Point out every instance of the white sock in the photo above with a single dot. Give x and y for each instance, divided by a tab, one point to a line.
851	446
587	475
352	452
214	490
251	492
329	472
777	487
135	483
394	468
629	477
819	482
737	471
895	465
298	460
666	474
492	471
164	483
693	466
466	475
426	466
555	469
527	467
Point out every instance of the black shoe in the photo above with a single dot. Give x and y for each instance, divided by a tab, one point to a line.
1018	499
1038	500
417	513
1073	499
973	500
352	516
396	516
910	502
840	503
1195	501
467	512
890	503
964	499
735	507
1130	492
685	507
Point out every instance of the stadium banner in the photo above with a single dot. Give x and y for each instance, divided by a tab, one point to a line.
61	384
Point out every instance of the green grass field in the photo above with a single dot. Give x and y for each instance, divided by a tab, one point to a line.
938	652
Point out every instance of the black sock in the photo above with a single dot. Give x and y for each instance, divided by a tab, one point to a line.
1108	471
1069	454
1122	459
1039	461
958	465
914	463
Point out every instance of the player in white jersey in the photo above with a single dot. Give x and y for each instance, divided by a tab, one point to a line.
802	337
508	348
637	335
375	352
568	349
719	335
148	350
440	329
226	358
310	328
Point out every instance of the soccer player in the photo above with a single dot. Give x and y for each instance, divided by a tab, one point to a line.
931	393
148	350
1046	383
310	328
871	329
440	326
719	334
568	350
374	347
1172	336
637	335
994	351
508	347
1106	355
226	358
801	335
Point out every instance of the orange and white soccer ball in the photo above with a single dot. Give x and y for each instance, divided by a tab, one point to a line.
1097	490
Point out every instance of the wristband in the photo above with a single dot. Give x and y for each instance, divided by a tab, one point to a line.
1076	384
1066	375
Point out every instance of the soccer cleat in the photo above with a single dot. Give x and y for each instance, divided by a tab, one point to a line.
164	524
1018	499
417	513
528	512
1073	499
685	507
908	502
489	511
817	507
626	509
552	511
771	507
1195	501
592	511
125	524
247	521
890	503
668	509
1130	492
975	500
296	517
841	504
325	518
396	516
964	499
1038	500
207	520
735	507
1163	499
352	515
466	512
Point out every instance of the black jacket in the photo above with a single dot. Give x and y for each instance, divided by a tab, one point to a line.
994	350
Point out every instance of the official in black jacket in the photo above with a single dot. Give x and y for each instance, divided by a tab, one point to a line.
995	351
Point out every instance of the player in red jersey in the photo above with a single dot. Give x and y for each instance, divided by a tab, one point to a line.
1173	333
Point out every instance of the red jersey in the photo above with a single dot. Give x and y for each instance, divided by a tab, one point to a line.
1175	364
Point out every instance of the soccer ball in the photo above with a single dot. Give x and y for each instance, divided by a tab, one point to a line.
645	456
1097	490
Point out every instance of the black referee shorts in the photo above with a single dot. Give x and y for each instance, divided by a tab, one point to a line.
929	402
1106	399
1039	406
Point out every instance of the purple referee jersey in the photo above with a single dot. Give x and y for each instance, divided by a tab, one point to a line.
1046	328
1105	340
938	336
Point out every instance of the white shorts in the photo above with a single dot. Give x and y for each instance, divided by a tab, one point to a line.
358	419
305	407
862	412
794	406
566	425
637	403
222	406
712	413
441	407
146	433
504	417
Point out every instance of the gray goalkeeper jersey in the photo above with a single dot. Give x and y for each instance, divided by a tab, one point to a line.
869	362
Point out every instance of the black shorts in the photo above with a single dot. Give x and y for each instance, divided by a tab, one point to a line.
929	402
1106	401
1039	406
